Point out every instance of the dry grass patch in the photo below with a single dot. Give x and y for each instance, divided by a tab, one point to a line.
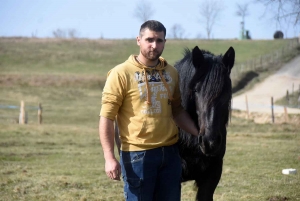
9	80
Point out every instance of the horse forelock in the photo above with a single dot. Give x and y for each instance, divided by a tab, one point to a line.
213	82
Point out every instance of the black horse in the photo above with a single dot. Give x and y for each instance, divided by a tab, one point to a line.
206	93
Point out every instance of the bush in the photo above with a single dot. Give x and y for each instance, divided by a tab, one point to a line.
278	35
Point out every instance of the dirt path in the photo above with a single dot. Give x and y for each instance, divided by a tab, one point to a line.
259	97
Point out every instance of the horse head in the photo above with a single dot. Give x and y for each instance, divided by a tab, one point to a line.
210	89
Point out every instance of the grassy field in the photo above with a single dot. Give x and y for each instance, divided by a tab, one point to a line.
62	159
65	162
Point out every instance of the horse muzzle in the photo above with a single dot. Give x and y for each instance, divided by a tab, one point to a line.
208	145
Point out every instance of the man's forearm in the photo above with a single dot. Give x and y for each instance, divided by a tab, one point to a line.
184	121
106	133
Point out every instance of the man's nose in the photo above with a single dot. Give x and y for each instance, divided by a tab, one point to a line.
154	45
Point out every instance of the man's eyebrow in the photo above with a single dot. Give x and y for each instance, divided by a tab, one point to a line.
152	38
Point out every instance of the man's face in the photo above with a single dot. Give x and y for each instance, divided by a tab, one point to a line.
151	44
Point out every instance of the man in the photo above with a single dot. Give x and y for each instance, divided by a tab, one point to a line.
143	93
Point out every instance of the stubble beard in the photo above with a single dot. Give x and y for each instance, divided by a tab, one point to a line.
151	55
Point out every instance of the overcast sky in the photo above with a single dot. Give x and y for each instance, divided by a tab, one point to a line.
114	19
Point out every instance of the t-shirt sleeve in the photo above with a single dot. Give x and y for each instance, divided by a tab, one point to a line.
113	94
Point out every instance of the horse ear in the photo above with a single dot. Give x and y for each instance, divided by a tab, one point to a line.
198	57
228	59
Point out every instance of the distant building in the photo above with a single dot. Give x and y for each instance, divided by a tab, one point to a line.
244	35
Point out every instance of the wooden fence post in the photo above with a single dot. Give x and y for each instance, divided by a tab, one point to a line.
286	117
247	109
40	110
272	109
22	116
293	89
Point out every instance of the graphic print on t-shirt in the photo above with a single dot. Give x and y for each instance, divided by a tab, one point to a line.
157	89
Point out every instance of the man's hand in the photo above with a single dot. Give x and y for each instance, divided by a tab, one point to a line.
113	169
106	133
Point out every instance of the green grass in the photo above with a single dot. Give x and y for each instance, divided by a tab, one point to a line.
62	159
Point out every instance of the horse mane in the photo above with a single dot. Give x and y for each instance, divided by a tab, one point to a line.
185	69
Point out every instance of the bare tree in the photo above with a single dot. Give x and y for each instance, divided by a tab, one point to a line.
143	11
34	34
210	11
72	33
242	11
284	10
176	31
59	33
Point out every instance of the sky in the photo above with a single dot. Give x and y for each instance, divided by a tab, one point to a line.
114	19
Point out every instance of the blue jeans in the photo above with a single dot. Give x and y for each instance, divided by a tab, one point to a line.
153	174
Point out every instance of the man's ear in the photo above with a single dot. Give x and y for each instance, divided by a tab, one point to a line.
138	39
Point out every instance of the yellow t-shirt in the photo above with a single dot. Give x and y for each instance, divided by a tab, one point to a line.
142	126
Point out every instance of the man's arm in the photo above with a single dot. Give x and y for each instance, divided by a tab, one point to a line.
106	133
184	121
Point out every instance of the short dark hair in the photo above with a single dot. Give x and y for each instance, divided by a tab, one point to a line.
153	25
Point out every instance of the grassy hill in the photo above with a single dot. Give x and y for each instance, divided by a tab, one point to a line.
96	57
31	61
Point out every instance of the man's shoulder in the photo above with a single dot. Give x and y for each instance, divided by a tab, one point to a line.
121	65
171	68
123	68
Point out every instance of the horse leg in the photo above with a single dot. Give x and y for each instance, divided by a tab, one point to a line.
208	182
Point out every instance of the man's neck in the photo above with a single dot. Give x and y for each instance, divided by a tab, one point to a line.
146	62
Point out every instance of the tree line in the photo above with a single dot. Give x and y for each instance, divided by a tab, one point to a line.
284	12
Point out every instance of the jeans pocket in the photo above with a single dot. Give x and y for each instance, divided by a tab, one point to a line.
138	156
133	156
